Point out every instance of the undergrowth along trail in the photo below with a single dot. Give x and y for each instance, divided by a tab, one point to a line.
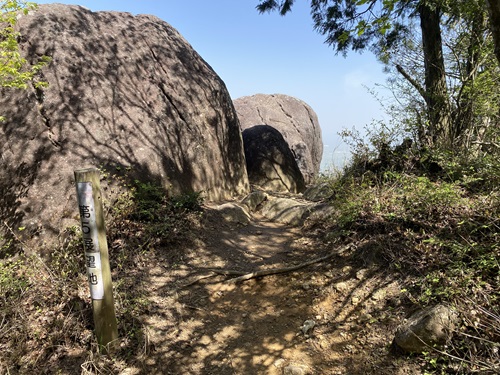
407	242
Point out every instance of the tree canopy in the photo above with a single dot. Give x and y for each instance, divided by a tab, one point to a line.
352	24
451	47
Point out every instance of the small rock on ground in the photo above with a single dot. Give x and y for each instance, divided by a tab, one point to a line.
295	370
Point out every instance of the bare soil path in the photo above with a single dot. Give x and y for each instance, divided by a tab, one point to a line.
196	323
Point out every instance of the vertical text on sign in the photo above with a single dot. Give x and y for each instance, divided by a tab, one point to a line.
90	239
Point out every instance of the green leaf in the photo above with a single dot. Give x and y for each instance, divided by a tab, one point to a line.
361	27
15	71
344	37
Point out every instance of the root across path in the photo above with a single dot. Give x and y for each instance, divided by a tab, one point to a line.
275	271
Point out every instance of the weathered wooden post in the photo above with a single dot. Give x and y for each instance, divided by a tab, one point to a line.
88	190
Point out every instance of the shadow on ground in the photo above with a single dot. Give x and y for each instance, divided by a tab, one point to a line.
197	323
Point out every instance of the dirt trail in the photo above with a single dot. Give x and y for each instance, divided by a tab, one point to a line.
198	324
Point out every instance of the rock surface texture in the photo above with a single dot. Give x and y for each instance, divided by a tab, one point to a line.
270	162
125	93
426	328
294	119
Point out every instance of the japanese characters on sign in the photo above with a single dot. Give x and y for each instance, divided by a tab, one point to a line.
90	239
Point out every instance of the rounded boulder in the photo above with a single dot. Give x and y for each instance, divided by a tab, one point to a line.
294	119
125	93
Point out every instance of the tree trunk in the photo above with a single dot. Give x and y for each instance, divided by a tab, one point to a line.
436	93
465	124
494	10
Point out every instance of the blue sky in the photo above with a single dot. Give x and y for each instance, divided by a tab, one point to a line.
269	54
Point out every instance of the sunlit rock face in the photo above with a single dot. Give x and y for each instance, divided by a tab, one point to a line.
126	94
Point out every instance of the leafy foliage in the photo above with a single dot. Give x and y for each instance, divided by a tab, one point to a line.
15	71
439	231
440	56
352	24
12	281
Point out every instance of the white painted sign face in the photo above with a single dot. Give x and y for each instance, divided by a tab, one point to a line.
90	239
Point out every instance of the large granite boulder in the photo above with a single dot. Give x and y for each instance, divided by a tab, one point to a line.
270	162
125	93
294	119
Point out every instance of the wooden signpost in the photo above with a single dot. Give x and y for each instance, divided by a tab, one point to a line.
88	190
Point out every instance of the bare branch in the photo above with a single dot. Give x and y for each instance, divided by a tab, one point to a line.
413	82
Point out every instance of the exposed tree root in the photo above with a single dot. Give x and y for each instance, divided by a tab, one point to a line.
243	276
261	273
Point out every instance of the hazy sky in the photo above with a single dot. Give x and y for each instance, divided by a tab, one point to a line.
269	54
